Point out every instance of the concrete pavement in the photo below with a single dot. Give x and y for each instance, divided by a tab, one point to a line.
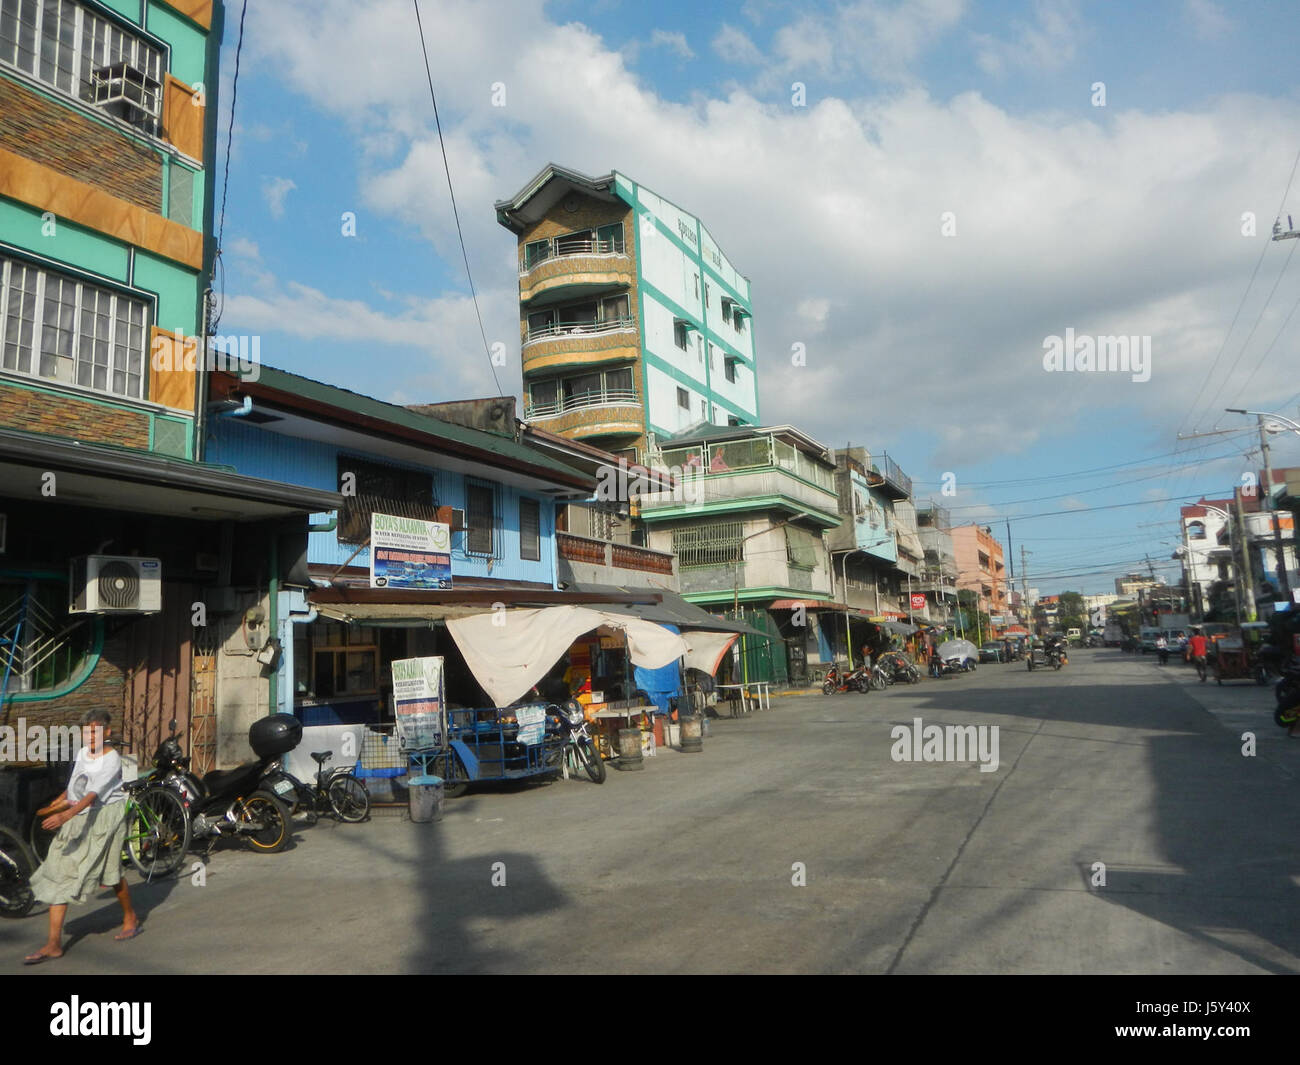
795	843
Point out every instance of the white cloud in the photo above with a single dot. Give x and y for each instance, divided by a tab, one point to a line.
274	191
733	45
1208	20
674	41
1121	222
1047	43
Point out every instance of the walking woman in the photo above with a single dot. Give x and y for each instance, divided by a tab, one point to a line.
87	852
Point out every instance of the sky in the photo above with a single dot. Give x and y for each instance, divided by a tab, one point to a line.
922	195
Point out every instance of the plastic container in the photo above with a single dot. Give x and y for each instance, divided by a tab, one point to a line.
277	734
425	799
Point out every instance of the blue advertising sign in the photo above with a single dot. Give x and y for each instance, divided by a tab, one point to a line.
409	553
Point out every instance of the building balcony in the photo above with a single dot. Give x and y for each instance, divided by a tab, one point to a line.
887	476
739	580
742	490
581	344
583	560
576	267
611	412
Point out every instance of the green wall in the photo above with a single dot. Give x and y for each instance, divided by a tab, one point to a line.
188	42
177	288
21	225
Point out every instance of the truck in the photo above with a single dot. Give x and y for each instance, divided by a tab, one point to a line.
1112	635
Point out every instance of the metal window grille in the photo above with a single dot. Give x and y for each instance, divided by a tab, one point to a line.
61	329
530	530
716	544
381	489
480	519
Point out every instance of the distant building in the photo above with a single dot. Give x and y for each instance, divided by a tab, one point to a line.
980	566
633	324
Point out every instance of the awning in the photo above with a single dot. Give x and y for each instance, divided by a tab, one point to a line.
509	652
901	628
707	649
398	615
673	610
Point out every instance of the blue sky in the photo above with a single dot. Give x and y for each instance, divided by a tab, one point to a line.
1123	219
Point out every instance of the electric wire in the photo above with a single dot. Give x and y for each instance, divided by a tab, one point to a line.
225	181
454	211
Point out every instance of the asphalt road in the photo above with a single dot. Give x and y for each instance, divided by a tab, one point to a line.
691	865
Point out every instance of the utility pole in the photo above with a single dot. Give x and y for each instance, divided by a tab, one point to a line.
1247	575
1279	553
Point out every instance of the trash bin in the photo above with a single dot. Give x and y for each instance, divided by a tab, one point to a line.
425	799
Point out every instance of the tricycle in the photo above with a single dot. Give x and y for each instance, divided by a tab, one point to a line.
1242	655
513	743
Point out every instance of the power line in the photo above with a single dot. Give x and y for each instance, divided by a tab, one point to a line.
455	213
225	181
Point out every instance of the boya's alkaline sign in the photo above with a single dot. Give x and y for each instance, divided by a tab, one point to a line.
946	743
39	743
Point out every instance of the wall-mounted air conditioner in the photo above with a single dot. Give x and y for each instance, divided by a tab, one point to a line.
127	92
115	584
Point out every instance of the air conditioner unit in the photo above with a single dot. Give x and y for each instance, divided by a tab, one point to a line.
127	92
115	584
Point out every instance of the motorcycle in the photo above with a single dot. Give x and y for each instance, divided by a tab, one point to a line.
566	731
1057	656
838	681
1287	694
899	668
250	801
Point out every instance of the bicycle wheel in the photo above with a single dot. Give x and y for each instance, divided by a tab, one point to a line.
17	863
157	832
349	799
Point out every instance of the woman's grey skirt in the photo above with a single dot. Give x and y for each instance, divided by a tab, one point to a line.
86	853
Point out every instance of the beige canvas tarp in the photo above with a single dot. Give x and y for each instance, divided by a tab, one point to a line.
707	649
509	651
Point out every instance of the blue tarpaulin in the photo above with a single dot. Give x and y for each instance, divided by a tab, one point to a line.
660	684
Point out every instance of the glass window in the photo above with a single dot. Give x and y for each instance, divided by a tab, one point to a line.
610	238
530	530
679	334
614	308
581	387
620	380
480	524
535	252
683	399
544	393
65	330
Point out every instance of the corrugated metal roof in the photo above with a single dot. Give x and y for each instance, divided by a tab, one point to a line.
509	451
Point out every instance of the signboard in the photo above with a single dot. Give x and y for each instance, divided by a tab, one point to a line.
418	702
409	553
532	723
918	601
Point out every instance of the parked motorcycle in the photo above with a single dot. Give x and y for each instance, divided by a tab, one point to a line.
566	730
899	668
242	801
837	680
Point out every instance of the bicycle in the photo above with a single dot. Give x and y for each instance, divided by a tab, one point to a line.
338	790
157	830
17	863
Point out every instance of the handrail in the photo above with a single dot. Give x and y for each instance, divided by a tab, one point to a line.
606	397
563	249
561	329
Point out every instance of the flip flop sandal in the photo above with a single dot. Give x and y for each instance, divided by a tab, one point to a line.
122	937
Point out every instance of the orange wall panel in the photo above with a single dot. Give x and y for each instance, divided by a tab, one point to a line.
183	118
171	369
199	11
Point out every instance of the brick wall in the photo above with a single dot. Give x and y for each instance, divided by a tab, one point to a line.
68	416
56	136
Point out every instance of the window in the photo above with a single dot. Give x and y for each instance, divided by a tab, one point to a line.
180	195
679	333
544	393
729	368
683	399
609	239
480	519
536	251
60	329
63	44
706	293
732	420
1196	530
716	544
801	548
383	489
726	310
344	661
697	286
614	308
618	380
530	530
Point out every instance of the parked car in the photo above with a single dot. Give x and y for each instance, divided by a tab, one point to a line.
992	651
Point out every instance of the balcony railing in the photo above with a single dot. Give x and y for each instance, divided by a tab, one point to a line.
606	397
580	329
895	479
712	487
564	249
618	556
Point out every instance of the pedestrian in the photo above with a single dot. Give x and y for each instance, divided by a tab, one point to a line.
1162	648
90	817
1199	647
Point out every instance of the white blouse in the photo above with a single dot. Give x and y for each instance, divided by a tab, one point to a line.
102	775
